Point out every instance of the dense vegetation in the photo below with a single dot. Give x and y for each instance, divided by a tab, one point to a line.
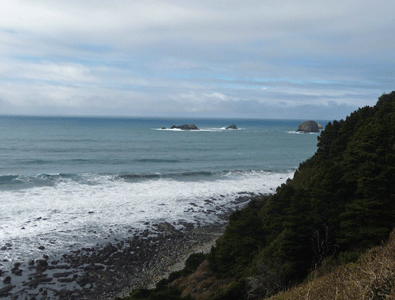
340	202
372	276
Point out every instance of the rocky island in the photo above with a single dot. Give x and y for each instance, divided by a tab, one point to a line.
233	126
185	127
309	126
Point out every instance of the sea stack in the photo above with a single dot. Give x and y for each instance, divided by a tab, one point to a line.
309	126
185	127
233	126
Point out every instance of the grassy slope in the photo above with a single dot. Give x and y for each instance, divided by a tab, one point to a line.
371	277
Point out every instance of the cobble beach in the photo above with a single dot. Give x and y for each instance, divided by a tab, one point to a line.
138	261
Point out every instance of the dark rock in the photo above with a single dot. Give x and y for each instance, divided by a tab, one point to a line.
233	126
39	279
17	265
185	127
64	294
41	263
64	274
41	247
308	126
66	280
163	127
16	271
31	262
7	280
5	291
82	281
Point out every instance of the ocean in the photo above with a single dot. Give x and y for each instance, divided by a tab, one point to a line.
72	182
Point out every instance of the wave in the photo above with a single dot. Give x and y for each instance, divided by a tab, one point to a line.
5	179
301	132
168	176
21	182
215	129
157	160
203	175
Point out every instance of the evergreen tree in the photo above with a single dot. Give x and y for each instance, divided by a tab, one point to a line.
342	198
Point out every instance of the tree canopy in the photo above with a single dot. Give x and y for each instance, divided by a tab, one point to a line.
341	199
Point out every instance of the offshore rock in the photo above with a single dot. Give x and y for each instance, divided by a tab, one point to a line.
233	126
308	126
185	127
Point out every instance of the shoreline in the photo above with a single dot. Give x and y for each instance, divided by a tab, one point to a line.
179	263
195	241
114	269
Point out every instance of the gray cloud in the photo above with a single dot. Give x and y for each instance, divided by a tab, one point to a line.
271	59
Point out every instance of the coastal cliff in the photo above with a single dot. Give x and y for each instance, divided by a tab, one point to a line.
339	204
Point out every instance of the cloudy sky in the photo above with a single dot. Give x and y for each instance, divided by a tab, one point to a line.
289	59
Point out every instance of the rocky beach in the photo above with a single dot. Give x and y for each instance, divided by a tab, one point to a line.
92	208
139	260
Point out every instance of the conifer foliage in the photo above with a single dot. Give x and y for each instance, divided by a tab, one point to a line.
341	199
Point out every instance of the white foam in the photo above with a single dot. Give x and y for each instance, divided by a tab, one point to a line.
86	212
302	132
215	129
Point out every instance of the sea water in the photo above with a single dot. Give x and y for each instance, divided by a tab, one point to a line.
72	182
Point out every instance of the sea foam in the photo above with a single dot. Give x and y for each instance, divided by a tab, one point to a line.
94	209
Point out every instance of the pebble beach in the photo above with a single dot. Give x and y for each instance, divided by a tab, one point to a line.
139	261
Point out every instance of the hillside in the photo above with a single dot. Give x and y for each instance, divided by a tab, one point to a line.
340	202
371	277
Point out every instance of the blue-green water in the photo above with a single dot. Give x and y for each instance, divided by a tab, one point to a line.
69	181
37	145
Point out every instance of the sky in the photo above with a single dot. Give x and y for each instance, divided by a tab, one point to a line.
283	59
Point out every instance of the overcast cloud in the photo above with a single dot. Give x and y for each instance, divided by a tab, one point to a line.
247	59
